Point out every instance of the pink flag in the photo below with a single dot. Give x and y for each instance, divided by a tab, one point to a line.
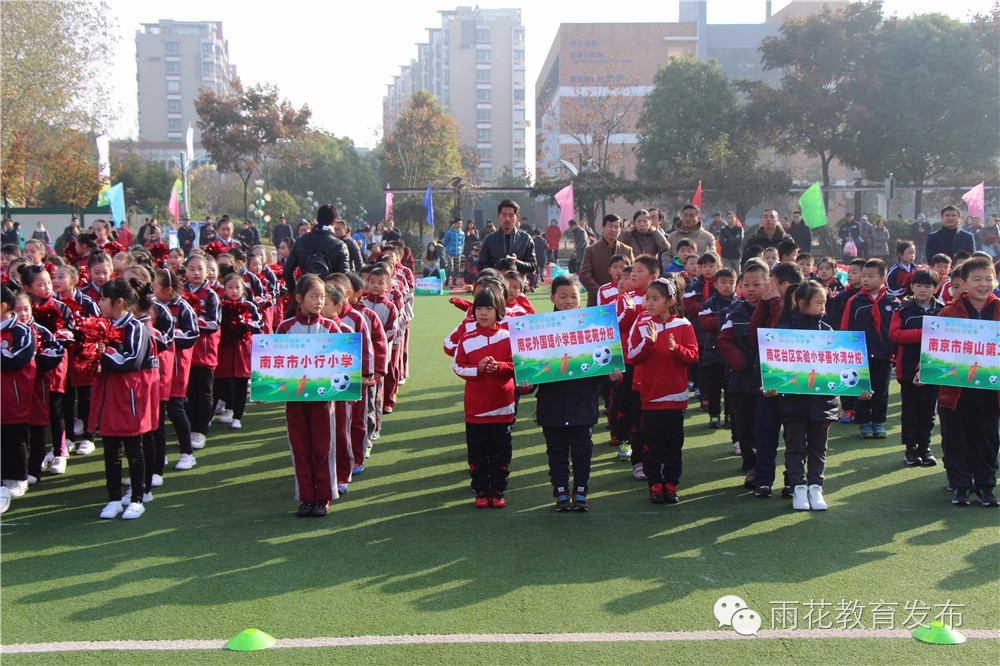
564	198
388	205
696	199
975	199
174	205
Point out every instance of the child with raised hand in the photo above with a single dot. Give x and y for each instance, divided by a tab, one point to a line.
806	418
739	348
311	424
970	418
608	293
203	299
567	413
870	310
712	369
124	406
901	272
17	369
484	360
240	320
919	401
662	343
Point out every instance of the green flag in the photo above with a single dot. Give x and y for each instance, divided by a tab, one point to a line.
813	210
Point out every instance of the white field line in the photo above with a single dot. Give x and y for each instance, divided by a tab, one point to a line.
458	639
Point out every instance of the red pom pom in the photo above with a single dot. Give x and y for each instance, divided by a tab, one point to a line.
89	333
84	278
193	301
215	248
159	252
49	316
111	248
236	318
71	254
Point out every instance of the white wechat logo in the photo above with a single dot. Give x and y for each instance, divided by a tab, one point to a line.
731	610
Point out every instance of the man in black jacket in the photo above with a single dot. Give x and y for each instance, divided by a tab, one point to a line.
508	247
343	232
186	236
320	242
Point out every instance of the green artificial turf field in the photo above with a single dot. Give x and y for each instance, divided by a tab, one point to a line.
220	549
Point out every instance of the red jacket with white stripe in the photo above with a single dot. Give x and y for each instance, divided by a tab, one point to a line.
303	323
125	398
380	347
664	372
352	321
607	294
466	326
387	314
206	350
489	396
185	338
17	369
627	317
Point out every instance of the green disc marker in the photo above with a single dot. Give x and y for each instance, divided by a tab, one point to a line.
938	634
254	639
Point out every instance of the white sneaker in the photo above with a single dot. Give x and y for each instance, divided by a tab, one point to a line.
186	461
219	407
156	482
111	510
58	465
637	472
49	457
127	498
32	480
800	498
816	500
236	425
5	498
737	451
134	510
197	440
225	417
85	447
402	381
77	427
16	488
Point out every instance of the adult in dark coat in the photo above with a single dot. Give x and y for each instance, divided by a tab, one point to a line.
186	236
343	232
320	241
950	238
280	232
800	233
508	247
768	234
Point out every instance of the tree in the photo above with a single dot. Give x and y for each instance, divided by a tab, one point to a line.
54	79
821	58
242	128
937	103
74	176
146	184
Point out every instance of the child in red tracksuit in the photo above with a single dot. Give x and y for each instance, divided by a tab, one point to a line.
166	289
332	308
203	299
232	372
663	344
377	301
76	400
125	397
17	369
311	424
484	360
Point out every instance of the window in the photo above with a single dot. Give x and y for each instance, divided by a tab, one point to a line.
483	75
207	68
207	48
485	154
519	95
483	115
173	86
519	37
173	67
483	94
482	135
519	57
482	55
519	136
174	105
173	47
153	58
173	123
519	155
483	35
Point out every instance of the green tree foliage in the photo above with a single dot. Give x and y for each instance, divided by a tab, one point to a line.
243	128
147	184
930	103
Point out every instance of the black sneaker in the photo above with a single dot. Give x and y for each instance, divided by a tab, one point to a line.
927	459
960	497
304	509
750	481
988	499
319	509
787	492
763	491
912	457
562	503
580	502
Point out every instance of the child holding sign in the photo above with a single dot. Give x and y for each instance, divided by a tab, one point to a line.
567	413
662	345
484	360
971	417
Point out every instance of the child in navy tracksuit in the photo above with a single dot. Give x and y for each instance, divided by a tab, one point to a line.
698	291
834	316
205	302
871	310
806	418
901	273
662	344
125	402
567	413
919	401
484	360
712	369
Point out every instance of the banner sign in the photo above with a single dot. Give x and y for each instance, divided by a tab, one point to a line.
960	352
560	346
305	367
429	286
813	362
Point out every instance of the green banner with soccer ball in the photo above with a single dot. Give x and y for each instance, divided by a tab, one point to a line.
813	362
566	345
305	368
960	352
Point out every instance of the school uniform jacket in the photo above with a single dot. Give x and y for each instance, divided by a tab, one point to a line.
960	308
92	291
50	357
515	309
206	350
352	321
489	397
303	323
835	308
17	369
664	372
812	408
234	357
898	279
58	375
387	313
124	400
905	333
83	308
186	336
626	317
697	293
523	301
738	347
607	294
708	320
873	315
380	347
161	326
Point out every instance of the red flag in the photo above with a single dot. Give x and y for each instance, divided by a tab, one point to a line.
696	199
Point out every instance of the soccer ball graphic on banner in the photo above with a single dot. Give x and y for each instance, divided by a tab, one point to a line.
850	378
584	367
602	356
321	390
340	382
831	385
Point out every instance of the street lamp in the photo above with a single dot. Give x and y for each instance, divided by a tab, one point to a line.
257	210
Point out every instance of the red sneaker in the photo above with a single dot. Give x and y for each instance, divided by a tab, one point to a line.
482	499
656	493
613	441
498	501
670	493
